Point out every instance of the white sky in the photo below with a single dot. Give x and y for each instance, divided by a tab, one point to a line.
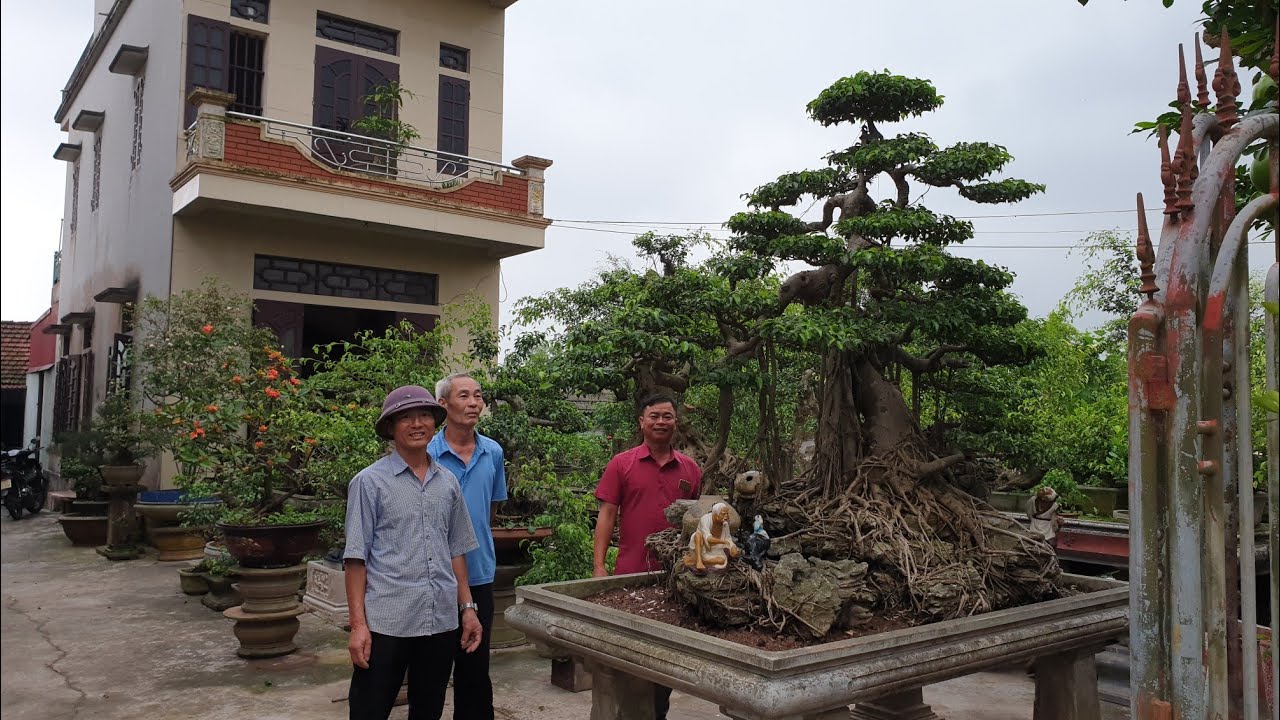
668	110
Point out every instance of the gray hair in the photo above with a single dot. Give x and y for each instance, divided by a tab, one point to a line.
444	388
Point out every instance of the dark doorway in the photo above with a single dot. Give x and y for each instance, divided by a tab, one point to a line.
12	410
323	324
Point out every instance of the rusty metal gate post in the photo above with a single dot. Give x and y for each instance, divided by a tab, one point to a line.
1192	558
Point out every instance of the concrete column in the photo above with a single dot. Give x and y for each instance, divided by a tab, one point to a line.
904	705
534	168
1067	687
615	695
206	139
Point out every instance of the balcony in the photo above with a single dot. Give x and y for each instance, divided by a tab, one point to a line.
237	163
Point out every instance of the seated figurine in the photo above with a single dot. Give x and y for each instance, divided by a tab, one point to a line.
711	545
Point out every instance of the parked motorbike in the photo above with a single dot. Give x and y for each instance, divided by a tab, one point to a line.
23	481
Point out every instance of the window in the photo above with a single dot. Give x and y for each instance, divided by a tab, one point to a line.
220	58
97	170
352	32
342	82
139	90
452	130
75	197
253	10
337	280
455	58
246	72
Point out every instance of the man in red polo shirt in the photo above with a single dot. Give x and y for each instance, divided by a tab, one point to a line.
637	487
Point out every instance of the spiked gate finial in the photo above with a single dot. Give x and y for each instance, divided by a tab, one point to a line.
1184	89
1146	254
1202	82
1166	175
1226	85
1188	169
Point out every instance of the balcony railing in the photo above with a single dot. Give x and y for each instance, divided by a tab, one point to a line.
349	152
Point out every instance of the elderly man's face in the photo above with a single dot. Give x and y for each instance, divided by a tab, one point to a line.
464	403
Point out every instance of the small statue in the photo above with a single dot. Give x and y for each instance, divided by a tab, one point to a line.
757	545
711	545
750	485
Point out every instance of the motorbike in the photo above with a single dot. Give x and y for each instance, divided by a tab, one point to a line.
23	481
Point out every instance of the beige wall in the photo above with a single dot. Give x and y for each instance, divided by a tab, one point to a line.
423	25
222	245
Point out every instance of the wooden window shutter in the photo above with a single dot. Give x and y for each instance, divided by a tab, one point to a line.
207	57
452	131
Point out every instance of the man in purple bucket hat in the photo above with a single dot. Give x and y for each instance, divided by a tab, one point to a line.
408	533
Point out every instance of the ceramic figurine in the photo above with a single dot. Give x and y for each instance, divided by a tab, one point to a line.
757	545
711	546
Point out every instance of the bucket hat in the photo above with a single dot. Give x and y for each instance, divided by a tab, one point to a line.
407	398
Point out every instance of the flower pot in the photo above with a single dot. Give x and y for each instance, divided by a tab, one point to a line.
165	508
221	593
192	581
1103	501
269	590
85	531
1009	501
120	475
510	546
216	551
271	546
177	543
88	508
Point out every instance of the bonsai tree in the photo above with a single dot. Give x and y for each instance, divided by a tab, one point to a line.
381	120
120	437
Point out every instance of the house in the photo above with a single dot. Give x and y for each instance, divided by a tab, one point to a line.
219	138
14	352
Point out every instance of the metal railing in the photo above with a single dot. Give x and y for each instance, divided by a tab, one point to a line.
349	152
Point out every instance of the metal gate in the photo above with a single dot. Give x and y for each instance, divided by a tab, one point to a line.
1193	605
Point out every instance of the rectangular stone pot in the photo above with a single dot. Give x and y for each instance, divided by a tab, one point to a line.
1009	501
822	680
1105	501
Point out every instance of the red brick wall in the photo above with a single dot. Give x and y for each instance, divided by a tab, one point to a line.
246	148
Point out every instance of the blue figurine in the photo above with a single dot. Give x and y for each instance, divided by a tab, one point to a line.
757	545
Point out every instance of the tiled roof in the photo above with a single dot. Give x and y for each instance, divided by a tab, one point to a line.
15	345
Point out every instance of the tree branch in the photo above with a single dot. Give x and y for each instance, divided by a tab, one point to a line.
933	467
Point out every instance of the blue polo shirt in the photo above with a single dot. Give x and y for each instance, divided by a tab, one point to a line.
483	481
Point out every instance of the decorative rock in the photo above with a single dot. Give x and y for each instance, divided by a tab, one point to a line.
822	593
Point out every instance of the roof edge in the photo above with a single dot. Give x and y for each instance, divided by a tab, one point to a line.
92	51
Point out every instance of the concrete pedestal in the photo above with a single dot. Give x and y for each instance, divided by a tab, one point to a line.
615	695
122	523
327	592
907	705
1067	687
267	621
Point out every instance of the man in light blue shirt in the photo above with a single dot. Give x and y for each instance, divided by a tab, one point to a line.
478	464
408	533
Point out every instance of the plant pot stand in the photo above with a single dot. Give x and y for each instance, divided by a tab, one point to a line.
503	635
122	523
327	592
267	621
177	543
907	705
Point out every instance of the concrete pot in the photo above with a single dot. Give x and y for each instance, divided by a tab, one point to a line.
192	582
629	654
264	635
85	531
177	543
269	590
1105	501
222	594
88	508
510	544
1009	501
120	475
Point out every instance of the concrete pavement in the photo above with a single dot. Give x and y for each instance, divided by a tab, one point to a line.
84	638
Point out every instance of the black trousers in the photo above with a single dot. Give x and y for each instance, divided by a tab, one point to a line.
472	689
428	660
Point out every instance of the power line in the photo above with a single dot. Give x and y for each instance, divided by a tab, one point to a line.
958	217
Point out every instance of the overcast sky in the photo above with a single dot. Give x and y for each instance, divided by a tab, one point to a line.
667	111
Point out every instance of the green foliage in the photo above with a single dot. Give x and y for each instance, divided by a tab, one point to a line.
120	437
874	97
1069	495
79	458
381	119
1008	190
915	224
885	155
567	506
962	162
788	189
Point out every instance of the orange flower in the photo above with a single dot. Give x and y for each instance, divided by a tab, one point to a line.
237	379
211	408
262	428
333	407
196	424
272	393
295	382
207	329
273	374
310	441
259	444
177	421
194	435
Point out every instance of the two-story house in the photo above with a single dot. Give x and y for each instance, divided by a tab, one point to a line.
217	138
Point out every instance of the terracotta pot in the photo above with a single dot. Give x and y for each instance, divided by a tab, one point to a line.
85	531
192	582
509	544
177	543
120	475
271	546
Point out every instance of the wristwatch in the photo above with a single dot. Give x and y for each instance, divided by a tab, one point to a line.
468	606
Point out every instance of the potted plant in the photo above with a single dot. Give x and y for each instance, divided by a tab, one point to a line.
85	521
381	122
122	443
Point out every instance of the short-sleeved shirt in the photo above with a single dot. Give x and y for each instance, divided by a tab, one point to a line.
643	491
484	482
407	532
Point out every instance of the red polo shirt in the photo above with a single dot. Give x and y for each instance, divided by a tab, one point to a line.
642	491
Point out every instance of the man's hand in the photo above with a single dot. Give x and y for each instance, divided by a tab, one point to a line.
600	571
471	630
359	645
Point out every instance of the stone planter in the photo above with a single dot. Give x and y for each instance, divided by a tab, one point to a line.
327	592
192	581
88	508
628	654
1009	501
1104	501
268	590
177	543
85	531
267	621
121	475
271	546
222	594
